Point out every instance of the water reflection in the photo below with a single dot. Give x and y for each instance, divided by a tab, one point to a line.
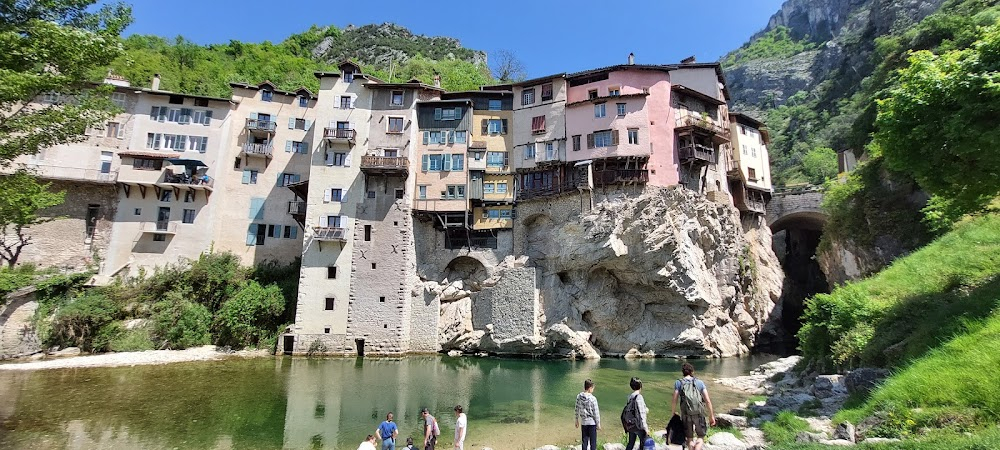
323	403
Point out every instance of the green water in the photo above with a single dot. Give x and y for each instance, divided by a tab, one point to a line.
274	403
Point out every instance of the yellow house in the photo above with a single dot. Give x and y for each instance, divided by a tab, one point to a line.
491	175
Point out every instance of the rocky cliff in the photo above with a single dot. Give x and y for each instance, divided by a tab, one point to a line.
844	33
664	272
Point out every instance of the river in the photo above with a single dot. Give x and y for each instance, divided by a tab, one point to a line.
300	403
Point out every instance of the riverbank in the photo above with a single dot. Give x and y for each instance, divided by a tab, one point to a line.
124	359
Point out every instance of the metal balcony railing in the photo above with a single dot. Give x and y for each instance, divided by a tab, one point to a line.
267	126
330	234
258	149
338	134
297	208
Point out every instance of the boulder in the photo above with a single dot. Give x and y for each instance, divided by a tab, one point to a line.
562	340
455	353
68	351
727	440
738	412
614	446
826	386
862	381
730	421
791	401
844	431
805	437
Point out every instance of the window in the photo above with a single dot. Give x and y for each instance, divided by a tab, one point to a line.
592	94
395	125
303	101
348	77
274	231
753	152
435	163
237	163
165	195
371	194
202	117
390	152
188	197
159	113
317	440
331	272
493	213
422	191
368	232
266	95
546	92
744	149
502	187
550	151
338	159
397	98
159	237
374	265
345	102
633	135
450	113
457	162
495	159
336	195
188	216
488	188
433	137
171	141
505	214
751	174
538	124
147	164
399	193
115	130
478	156
621	109
495	126
299	124
495	105
118	98
176	100
602	139
253	177
743	129
138	211
198	143
600	110
455	192
291	232
527	96
288	178
203	102
459	137
529	151
174	115
614	91
300	147
329	307
576	143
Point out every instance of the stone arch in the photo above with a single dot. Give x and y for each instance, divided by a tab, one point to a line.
803	219
467	268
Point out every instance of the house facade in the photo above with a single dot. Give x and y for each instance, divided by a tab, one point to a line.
749	166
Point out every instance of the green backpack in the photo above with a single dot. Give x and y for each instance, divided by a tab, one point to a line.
692	403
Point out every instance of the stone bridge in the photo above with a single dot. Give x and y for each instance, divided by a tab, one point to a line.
796	209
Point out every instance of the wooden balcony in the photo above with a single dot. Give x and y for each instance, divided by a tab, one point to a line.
261	127
385	165
297	208
265	150
330	234
159	227
620	176
689	121
697	154
528	193
339	134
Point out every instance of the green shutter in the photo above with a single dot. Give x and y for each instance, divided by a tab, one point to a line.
304	148
280	176
447	162
427	135
424	162
253	116
288	146
277	231
293	232
246	176
437	113
256	208
252	234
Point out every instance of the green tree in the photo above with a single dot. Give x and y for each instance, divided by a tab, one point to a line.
250	317
940	123
54	46
22	199
819	164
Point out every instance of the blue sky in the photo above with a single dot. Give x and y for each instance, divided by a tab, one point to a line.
548	36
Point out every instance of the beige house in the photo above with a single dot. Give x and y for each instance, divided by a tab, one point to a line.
166	179
749	165
268	148
539	146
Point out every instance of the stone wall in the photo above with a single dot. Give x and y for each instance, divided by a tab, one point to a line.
63	242
510	306
17	333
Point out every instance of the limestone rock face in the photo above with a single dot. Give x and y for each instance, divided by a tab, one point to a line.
666	271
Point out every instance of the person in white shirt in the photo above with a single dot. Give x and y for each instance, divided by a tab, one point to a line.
368	444
461	425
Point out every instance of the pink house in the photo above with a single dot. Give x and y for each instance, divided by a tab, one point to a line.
620	119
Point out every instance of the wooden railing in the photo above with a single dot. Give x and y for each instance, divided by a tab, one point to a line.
528	193
617	176
687	119
697	152
261	125
338	133
258	149
384	162
160	226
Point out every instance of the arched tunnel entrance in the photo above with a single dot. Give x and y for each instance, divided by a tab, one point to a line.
795	240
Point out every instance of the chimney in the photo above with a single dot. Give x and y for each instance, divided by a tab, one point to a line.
688	60
631	59
156	82
437	80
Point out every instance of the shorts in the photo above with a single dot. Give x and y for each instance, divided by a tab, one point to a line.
694	425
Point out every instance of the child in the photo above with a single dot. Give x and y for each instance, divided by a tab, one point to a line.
409	444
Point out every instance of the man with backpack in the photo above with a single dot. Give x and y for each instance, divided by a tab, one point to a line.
431	430
634	416
693	396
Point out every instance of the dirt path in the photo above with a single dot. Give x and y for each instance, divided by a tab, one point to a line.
203	353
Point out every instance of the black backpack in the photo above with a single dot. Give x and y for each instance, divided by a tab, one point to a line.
631	421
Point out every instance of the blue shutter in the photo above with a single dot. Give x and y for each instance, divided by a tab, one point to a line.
256	208
451	137
293	232
208	118
246	176
423	163
459	162
291	123
304	148
252	234
437	113
447	162
288	146
277	231
280	176
253	116
458	113
426	137
309	124
296	178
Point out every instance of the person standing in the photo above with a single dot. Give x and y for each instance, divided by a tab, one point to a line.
461	424
588	415
387	432
636	395
368	443
693	396
431	430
